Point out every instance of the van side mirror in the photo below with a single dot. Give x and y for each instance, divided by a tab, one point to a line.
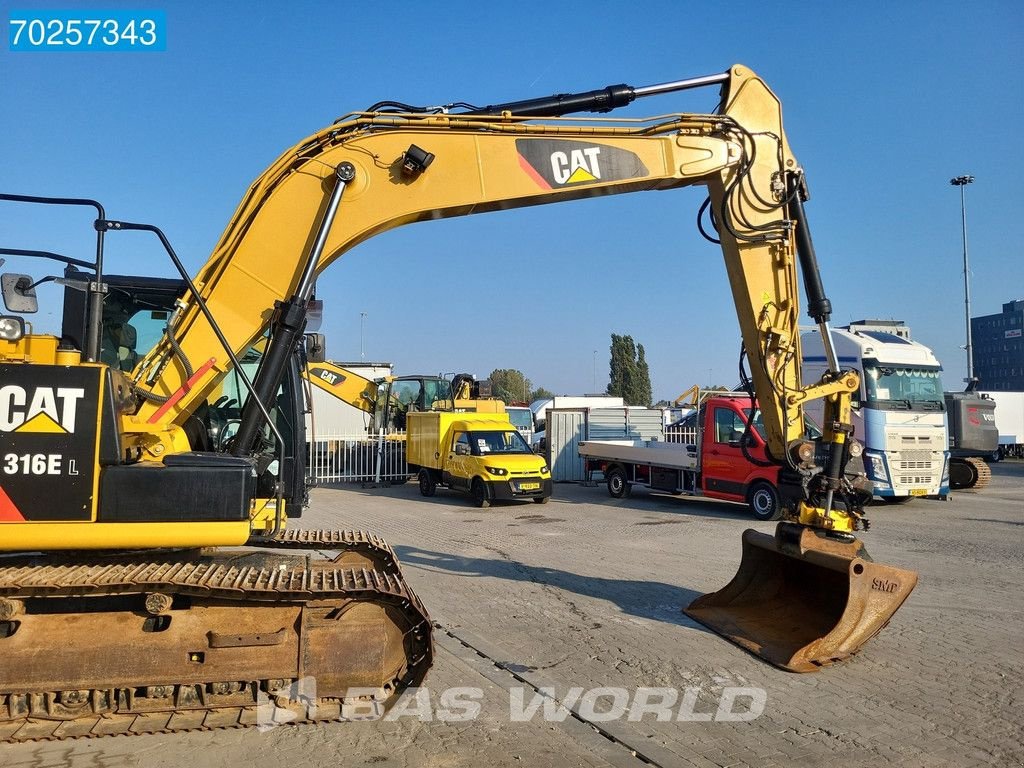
19	293
461	449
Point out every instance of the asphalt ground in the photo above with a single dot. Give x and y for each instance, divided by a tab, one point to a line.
579	601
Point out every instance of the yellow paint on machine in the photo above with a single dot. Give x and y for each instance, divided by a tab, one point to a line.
35	536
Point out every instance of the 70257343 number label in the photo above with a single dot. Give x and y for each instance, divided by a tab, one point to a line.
96	30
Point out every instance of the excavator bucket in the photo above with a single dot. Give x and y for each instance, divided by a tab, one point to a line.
803	601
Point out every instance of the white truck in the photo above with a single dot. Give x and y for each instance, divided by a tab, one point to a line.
899	413
522	419
1009	422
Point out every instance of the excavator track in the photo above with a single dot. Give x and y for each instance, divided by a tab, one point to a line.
144	643
969	473
356	548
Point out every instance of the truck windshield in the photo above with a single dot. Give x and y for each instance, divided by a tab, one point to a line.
497	441
521	418
903	388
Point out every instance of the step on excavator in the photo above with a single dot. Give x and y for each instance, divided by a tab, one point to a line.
152	576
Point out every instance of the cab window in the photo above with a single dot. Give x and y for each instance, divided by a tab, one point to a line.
729	426
461	438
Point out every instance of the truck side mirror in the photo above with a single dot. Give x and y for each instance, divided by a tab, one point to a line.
19	293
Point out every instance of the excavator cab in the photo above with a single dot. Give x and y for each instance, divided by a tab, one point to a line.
136	309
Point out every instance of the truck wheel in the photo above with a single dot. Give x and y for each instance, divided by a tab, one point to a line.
618	485
764	501
479	493
427	484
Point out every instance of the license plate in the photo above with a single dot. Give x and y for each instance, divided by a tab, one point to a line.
529	486
918	491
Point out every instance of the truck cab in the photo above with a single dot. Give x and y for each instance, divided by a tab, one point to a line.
481	454
899	413
731	455
711	452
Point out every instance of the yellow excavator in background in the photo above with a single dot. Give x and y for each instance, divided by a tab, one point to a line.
119	511
387	399
386	402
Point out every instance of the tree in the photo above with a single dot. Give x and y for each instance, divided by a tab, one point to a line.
642	392
510	385
629	376
541	394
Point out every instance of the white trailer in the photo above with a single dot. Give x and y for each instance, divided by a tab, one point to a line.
1009	422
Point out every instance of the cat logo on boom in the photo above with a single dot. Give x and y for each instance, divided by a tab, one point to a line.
555	163
334	379
576	166
44	409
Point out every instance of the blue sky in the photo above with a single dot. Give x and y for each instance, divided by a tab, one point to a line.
883	102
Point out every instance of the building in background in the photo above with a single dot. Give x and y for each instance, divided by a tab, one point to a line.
998	342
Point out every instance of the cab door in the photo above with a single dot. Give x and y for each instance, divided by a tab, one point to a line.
725	468
458	471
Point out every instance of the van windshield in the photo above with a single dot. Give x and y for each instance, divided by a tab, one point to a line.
484	443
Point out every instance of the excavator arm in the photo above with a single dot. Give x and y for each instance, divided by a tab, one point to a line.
342	383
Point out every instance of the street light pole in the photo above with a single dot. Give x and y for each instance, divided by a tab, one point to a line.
362	318
962	182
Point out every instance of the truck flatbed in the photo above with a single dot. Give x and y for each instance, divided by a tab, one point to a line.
653	452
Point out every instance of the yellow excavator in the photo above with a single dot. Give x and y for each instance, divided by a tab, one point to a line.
386	403
386	400
151	580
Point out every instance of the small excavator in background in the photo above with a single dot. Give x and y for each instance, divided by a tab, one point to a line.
131	520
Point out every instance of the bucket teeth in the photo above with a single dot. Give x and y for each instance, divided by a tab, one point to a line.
803	601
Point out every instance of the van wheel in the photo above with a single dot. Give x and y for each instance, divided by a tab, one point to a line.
764	501
479	493
427	484
541	499
618	486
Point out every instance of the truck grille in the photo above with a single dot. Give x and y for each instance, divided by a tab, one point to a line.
916	459
915	465
917	469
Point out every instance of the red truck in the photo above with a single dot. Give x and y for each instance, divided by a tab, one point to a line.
710	453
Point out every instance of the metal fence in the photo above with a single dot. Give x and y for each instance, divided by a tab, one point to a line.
356	458
685	435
